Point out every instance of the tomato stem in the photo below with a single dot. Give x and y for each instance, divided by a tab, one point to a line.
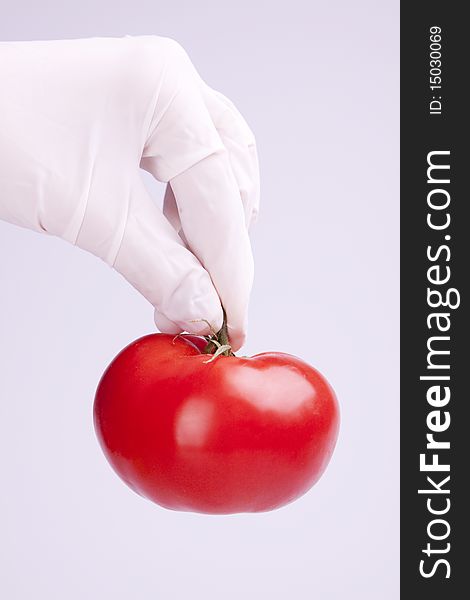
215	341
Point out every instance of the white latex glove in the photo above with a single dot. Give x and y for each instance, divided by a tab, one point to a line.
78	118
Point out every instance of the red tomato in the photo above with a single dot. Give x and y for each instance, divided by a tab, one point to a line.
227	436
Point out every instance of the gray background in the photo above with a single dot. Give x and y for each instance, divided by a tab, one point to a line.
318	83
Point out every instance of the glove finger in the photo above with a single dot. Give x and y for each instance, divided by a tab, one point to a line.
190	122
155	261
239	141
165	325
213	222
184	148
181	132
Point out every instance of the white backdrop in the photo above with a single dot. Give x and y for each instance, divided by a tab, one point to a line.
318	83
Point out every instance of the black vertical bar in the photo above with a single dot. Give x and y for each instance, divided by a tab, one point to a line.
423	131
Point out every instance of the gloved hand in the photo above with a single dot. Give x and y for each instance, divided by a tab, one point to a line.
77	120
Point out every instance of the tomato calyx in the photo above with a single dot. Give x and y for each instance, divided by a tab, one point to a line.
218	343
